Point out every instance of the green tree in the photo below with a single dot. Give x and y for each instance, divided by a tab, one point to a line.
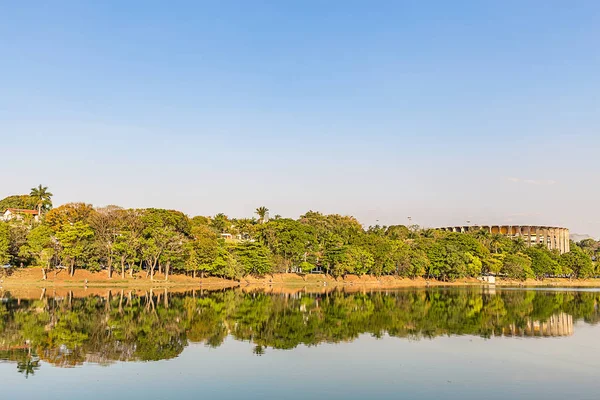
254	257
201	251
292	241
4	243
75	244
127	244
578	262
40	248
162	238
18	201
42	198
220	223
542	262
262	213
348	259
226	265
106	225
517	266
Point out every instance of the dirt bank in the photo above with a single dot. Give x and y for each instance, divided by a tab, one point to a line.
32	277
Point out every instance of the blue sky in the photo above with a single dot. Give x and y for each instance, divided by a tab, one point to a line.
444	111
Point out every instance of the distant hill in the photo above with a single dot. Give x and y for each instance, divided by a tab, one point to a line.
17	201
576	237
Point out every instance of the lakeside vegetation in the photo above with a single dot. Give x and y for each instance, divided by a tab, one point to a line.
125	241
144	326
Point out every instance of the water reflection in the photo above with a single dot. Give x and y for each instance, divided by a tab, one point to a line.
66	330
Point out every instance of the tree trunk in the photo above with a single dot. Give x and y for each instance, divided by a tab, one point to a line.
152	268
44	275
122	267
72	267
167	270
159	268
194	274
121	303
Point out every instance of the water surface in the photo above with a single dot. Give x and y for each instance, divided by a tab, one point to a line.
453	343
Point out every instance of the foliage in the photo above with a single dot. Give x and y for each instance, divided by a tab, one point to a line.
75	244
543	262
517	266
577	262
4	243
155	325
42	198
254	258
160	240
23	201
69	213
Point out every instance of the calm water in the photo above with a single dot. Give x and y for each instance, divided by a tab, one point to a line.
459	343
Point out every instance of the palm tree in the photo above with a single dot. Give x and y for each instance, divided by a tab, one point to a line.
262	213
519	244
495	242
28	366
42	197
483	236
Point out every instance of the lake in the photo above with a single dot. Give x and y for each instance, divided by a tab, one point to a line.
426	343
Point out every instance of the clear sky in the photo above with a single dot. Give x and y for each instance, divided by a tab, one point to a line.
445	111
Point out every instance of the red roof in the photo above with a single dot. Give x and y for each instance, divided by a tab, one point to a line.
22	211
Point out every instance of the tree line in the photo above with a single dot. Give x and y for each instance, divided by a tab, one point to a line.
158	241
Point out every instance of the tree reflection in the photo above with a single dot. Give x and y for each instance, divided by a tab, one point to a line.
155	325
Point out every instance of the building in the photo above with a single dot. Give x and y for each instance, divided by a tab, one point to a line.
18	214
553	237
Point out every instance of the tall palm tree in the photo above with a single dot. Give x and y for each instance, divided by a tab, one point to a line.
483	236
262	213
42	197
519	244
495	242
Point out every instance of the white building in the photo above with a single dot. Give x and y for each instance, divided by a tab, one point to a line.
18	214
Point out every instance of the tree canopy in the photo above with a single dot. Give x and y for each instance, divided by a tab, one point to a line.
161	241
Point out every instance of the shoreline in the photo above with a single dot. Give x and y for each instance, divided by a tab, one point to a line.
31	277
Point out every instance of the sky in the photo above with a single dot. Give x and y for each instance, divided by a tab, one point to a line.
445	112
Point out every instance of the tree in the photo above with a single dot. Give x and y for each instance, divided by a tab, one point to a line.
517	266
4	243
164	231
127	244
397	232
358	260
245	227
225	264
40	248
69	213
254	257
42	198
201	251
220	223
106	225
76	244
292	241
578	262
18	237
23	201
262	214
349	259
542	262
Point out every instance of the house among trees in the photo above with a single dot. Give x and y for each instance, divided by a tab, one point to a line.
18	214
